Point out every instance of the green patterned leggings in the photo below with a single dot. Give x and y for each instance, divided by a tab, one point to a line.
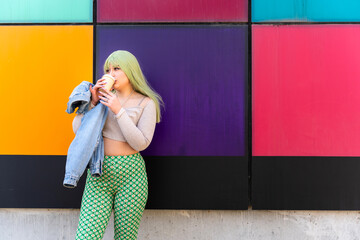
123	186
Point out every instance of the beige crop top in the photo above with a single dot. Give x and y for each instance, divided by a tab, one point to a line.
134	125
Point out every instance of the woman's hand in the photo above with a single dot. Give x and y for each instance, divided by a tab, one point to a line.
95	91
109	99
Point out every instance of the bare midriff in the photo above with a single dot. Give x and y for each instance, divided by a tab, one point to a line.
116	148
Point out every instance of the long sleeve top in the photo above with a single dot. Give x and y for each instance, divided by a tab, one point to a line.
134	125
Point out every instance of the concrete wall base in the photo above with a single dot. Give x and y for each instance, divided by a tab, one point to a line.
45	224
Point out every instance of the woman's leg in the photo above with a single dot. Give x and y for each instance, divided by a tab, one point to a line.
131	197
96	205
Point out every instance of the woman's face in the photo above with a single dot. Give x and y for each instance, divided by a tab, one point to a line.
121	80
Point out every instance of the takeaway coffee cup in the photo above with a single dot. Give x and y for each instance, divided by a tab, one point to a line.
109	82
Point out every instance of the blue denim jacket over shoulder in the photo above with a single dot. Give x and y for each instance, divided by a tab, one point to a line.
87	148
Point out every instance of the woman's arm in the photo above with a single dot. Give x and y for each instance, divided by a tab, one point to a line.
77	122
77	119
140	136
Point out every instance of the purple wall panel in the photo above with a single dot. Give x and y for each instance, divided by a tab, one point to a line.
172	11
201	72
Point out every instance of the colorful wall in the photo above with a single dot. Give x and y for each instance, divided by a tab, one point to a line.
260	98
305	71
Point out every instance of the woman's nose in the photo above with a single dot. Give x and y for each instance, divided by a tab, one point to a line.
112	73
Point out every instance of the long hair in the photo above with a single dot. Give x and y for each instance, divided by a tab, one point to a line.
130	66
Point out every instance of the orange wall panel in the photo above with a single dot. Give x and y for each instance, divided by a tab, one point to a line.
40	66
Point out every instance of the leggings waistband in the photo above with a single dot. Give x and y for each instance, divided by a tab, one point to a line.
135	156
123	156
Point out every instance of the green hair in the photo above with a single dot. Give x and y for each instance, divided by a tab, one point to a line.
130	66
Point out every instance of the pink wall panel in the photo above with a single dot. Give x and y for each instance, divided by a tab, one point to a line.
174	10
306	90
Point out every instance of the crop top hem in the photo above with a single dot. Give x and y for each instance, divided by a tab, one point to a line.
112	138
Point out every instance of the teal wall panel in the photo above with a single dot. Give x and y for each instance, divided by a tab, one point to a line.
306	10
45	11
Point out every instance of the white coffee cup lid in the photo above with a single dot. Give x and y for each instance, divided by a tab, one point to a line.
109	76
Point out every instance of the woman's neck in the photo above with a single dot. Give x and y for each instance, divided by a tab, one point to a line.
123	93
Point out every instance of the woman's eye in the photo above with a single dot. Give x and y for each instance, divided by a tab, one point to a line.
107	70
116	68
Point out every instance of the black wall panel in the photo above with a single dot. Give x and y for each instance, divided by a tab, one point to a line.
174	183
306	183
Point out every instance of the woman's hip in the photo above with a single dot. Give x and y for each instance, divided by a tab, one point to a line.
125	165
120	170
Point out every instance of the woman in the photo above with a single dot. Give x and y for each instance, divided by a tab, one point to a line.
134	110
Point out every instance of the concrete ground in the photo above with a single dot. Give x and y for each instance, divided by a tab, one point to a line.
46	224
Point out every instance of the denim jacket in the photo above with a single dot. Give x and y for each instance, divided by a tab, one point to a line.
87	148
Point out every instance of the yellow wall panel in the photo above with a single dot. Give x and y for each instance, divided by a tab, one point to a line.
40	66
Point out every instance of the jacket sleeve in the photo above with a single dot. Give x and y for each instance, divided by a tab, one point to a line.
77	119
138	136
